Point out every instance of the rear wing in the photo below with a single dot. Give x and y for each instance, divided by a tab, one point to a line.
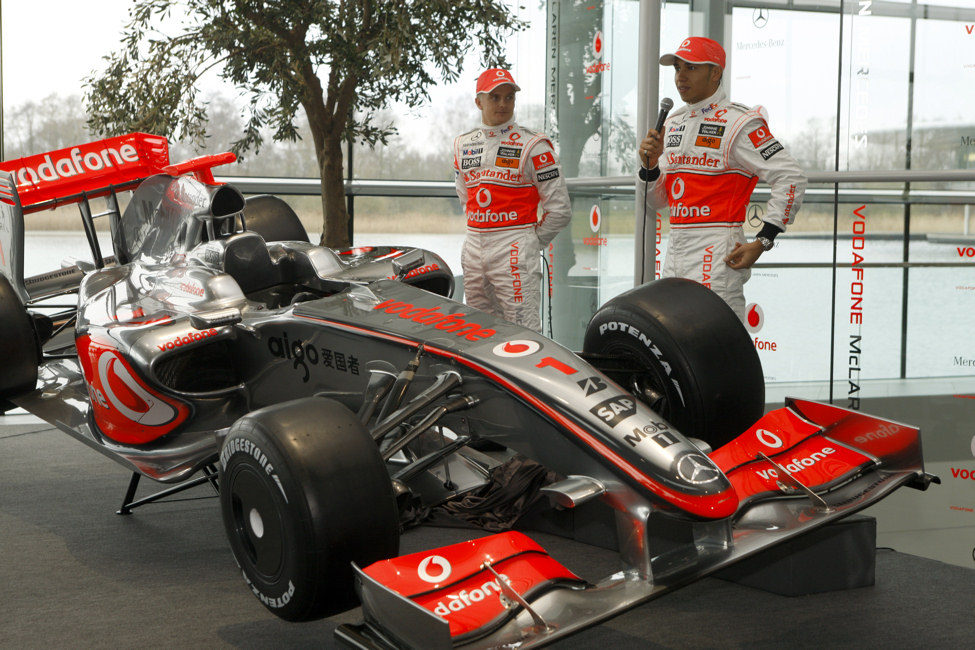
86	171
77	174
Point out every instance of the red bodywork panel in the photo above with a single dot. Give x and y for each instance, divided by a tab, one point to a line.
93	169
451	582
804	449
125	408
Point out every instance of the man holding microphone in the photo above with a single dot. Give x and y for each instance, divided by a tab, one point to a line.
704	164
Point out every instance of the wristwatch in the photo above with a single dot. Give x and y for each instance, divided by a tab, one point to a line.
765	242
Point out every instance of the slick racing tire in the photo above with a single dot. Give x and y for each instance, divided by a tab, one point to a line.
273	219
303	494
698	367
19	346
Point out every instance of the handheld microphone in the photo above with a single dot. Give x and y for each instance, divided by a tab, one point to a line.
665	105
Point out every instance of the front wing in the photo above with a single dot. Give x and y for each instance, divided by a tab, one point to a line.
796	469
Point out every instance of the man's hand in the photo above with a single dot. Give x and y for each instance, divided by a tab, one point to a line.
744	255
650	149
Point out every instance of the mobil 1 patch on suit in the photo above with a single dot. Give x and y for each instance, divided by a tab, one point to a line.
716	130
771	150
509	152
673	140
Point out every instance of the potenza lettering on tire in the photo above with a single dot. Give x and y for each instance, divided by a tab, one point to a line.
626	328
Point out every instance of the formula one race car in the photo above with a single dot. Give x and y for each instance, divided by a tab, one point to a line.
333	396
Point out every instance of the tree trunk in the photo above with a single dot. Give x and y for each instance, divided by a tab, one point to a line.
335	228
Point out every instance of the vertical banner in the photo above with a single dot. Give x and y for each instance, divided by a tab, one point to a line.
852	294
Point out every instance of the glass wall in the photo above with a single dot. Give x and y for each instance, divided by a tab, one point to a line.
894	79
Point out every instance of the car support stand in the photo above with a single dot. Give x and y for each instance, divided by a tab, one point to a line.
209	476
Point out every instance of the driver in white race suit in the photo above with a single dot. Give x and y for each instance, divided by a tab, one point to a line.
504	173
705	164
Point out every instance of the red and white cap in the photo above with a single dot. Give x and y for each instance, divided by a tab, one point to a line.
494	77
697	49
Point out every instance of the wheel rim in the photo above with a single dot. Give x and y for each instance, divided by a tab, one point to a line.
257	523
650	386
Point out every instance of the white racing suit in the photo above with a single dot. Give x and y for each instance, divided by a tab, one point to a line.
502	175
715	152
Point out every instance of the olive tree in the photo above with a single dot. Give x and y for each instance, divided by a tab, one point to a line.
340	61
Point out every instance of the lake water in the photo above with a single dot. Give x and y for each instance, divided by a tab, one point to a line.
793	335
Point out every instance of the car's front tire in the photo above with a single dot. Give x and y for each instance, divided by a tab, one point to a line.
303	493
699	369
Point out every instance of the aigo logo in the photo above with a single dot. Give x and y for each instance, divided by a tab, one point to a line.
518	348
423	569
595	218
483	197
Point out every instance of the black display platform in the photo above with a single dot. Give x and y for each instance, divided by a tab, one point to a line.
75	574
840	555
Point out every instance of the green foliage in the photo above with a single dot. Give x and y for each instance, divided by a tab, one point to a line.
347	56
341	61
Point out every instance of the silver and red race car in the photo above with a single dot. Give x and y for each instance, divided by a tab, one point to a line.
334	397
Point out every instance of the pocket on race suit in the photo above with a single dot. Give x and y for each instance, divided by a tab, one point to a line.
729	283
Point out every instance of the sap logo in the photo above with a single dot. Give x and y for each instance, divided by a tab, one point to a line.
614	410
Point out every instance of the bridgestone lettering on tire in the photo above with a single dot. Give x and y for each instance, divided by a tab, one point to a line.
303	494
697	363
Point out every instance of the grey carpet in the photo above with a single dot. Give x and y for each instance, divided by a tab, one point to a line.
75	574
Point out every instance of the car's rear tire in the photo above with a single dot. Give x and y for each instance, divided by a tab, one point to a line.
303	493
19	346
273	219
700	370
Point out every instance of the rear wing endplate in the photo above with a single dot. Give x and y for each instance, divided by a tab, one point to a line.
12	235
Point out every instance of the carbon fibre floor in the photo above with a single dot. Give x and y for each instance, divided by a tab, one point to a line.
75	574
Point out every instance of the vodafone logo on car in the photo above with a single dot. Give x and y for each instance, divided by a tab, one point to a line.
440	573
768	438
516	348
124	394
483	197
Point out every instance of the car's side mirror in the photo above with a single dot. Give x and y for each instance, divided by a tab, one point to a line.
407	262
215	318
